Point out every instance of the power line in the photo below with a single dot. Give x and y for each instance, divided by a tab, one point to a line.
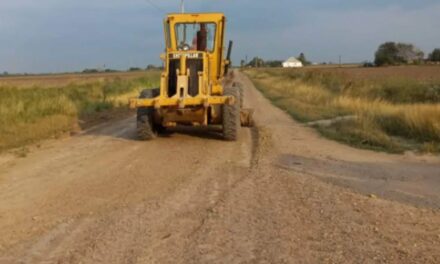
182	6
155	6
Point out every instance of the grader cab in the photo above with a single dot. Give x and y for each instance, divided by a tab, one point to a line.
195	87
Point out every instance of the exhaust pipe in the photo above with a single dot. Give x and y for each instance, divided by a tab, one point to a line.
228	57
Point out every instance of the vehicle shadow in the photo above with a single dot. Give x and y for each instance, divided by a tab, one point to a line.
126	130
210	132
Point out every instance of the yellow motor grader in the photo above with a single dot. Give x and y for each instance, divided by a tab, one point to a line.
195	87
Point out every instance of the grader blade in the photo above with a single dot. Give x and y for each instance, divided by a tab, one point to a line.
247	117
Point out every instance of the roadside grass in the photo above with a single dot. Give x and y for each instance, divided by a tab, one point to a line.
392	114
60	80
31	114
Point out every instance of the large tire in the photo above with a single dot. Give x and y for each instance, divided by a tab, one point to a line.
241	91
146	129
231	115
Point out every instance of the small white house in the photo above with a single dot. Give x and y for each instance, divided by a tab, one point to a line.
292	62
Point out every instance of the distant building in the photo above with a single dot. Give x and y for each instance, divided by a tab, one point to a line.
292	63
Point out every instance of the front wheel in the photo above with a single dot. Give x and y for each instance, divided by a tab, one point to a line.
231	115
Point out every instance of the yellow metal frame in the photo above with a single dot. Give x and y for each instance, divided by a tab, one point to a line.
182	103
215	58
210	79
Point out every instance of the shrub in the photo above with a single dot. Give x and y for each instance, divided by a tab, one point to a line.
391	53
435	55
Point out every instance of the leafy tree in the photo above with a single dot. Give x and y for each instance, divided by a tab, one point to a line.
386	54
409	53
391	53
90	71
273	63
435	55
134	69
302	58
367	64
256	62
259	62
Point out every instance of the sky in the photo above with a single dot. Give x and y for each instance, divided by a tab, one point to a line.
71	35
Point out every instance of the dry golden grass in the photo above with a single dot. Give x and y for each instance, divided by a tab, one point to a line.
357	73
59	80
392	114
29	113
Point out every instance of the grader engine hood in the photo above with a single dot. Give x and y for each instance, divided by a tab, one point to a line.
186	83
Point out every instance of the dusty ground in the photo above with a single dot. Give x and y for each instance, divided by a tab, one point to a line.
281	194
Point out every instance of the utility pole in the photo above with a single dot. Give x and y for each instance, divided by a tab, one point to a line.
182	6
340	61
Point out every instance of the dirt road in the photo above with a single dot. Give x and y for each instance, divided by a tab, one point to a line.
282	194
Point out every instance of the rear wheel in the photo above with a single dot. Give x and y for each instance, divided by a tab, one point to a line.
231	114
146	128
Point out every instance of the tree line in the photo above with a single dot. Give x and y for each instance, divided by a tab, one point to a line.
259	62
387	54
131	69
392	53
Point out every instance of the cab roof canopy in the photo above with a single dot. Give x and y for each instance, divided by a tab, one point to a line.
195	17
